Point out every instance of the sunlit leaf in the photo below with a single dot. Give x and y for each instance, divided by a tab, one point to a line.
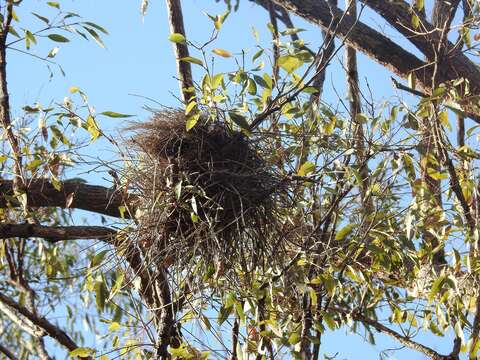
306	168
222	53
192	60
177	38
114	114
289	63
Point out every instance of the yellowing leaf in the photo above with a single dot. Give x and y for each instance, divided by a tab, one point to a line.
192	121
222	53
344	232
415	21
289	63
114	326
73	89
92	127
177	38
82	352
443	117
192	60
306	168
216	80
191	105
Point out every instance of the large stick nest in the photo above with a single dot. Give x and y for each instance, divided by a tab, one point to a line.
206	192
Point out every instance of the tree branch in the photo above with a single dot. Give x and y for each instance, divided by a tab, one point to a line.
404	340
46	326
5	102
56	233
72	194
7	353
383	50
428	37
184	69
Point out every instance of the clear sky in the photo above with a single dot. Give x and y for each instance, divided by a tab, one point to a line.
138	60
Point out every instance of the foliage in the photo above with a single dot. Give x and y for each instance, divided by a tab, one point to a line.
259	214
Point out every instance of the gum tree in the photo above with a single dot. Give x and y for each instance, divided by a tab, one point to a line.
373	211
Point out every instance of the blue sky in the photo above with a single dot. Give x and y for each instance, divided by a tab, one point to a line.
138	60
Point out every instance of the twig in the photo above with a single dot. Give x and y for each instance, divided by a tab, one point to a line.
400	86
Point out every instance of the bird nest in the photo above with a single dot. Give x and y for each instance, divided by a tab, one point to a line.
205	193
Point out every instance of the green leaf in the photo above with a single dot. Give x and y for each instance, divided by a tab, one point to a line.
100	295
53	52
419	4
53	4
291	31
289	63
434	174
436	287
192	60
294	338
114	114
343	232
306	168
191	105
58	38
95	36
310	90
98	258
252	87
443	117
257	55
42	18
96	26
82	352
177	38
192	121
239	119
260	81
216	81
11	30
415	22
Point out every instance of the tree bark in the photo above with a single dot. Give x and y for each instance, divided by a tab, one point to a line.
184	69
53	331
72	194
56	233
383	50
5	351
5	102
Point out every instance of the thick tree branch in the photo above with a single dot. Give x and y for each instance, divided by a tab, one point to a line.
361	37
381	49
75	195
56	233
46	326
444	12
428	37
